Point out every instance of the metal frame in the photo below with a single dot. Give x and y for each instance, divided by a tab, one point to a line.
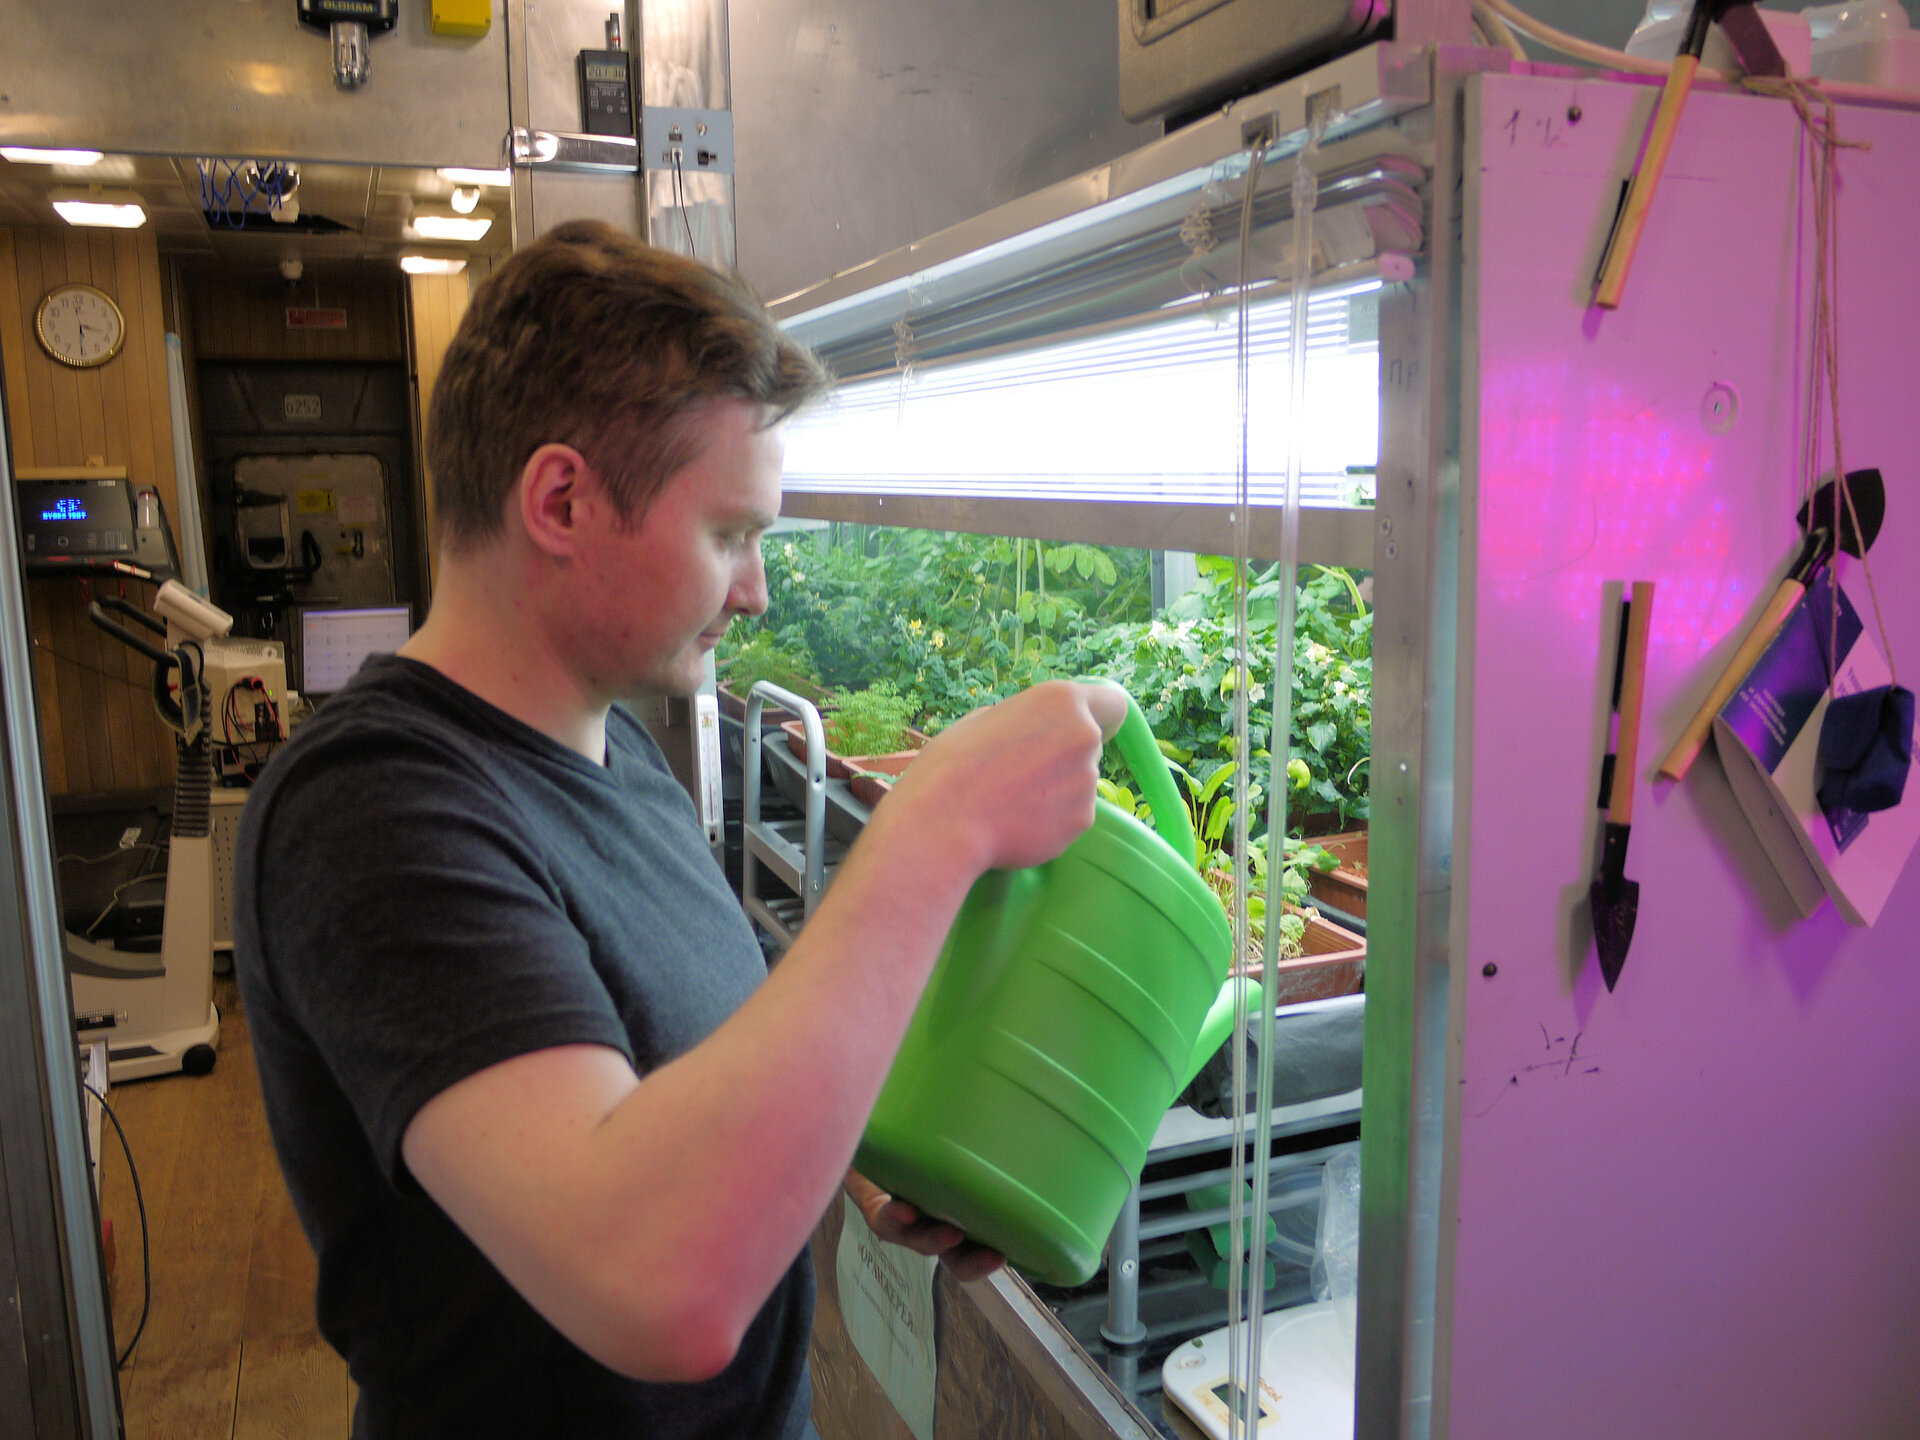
57	1376
795	853
1414	552
1327	536
1407	1063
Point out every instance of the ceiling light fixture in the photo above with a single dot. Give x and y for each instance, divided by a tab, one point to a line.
465	197
459	175
429	265
440	222
119	209
22	155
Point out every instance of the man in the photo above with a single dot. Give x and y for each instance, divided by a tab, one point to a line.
556	1135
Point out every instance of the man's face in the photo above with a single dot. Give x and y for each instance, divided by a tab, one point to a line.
661	593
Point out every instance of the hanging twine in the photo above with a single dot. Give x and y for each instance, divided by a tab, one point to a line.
1823	158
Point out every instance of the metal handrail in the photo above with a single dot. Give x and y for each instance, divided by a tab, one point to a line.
813	851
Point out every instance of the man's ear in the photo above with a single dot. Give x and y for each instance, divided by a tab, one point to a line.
557	487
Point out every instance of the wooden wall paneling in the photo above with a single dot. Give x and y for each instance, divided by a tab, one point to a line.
90	261
245	318
98	728
39	370
13	352
58	258
439	302
116	443
46	681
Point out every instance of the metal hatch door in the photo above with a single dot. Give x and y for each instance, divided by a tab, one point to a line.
340	500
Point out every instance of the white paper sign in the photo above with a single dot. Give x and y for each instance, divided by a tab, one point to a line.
886	1300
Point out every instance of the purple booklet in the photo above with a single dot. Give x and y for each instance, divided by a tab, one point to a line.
1768	736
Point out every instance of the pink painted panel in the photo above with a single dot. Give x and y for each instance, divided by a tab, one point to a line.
1691	1206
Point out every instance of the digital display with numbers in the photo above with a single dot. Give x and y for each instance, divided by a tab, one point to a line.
76	522
606	92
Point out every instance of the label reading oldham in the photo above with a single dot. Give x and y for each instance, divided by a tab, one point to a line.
315	318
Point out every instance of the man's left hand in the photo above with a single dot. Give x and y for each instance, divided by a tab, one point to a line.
899	1223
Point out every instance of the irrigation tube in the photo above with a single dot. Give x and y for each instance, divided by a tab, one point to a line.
1244	1349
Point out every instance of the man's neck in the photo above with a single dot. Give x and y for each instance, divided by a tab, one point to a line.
485	633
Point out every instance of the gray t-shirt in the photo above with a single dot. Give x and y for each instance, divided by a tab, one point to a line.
424	887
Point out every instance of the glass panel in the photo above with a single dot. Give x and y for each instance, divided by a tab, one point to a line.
949	621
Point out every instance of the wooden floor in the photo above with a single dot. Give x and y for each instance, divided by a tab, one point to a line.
230	1349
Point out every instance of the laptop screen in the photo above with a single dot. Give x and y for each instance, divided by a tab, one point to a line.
334	643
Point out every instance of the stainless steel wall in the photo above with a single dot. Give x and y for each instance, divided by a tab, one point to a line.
211	77
863	125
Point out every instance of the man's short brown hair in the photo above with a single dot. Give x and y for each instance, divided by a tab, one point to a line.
590	338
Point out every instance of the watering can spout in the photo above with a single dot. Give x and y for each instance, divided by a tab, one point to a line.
1239	994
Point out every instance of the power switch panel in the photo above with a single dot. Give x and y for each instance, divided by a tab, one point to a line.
686	140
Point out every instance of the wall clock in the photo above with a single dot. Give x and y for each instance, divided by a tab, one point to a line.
80	326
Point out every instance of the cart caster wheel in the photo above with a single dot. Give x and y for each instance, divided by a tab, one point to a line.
198	1060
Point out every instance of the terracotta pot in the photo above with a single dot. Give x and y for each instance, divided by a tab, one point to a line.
1344	888
841	767
873	777
734	704
1334	963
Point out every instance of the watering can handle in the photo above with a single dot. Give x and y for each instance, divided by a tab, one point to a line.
1141	752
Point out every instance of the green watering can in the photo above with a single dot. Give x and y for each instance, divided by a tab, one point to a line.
1072	1002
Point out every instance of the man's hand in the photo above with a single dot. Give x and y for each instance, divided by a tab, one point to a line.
899	1223
1013	783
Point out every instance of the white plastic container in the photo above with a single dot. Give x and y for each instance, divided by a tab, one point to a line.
1868	43
1306	1377
1658	36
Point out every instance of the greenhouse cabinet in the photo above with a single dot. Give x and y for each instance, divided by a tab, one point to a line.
1047	399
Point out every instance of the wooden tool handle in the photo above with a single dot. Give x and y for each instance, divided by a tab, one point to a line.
1692	739
1627	225
1633	679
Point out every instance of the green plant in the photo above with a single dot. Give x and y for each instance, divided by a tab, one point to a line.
764	656
1300	857
1210	807
872	721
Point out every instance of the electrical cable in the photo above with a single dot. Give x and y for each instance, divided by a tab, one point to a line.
140	1200
680	200
113	854
113	901
1497	31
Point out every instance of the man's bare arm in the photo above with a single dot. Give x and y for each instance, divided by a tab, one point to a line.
649	1219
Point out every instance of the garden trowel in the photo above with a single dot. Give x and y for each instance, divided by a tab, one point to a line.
1614	898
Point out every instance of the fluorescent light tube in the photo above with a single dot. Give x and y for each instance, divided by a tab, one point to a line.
461	176
439	222
127	215
428	265
21	155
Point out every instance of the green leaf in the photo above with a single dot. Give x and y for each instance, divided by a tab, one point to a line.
1322	735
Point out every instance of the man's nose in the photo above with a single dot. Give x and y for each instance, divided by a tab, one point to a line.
749	595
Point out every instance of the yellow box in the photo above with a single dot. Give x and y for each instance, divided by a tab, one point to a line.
469	19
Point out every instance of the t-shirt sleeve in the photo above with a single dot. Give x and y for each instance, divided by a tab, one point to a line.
409	927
